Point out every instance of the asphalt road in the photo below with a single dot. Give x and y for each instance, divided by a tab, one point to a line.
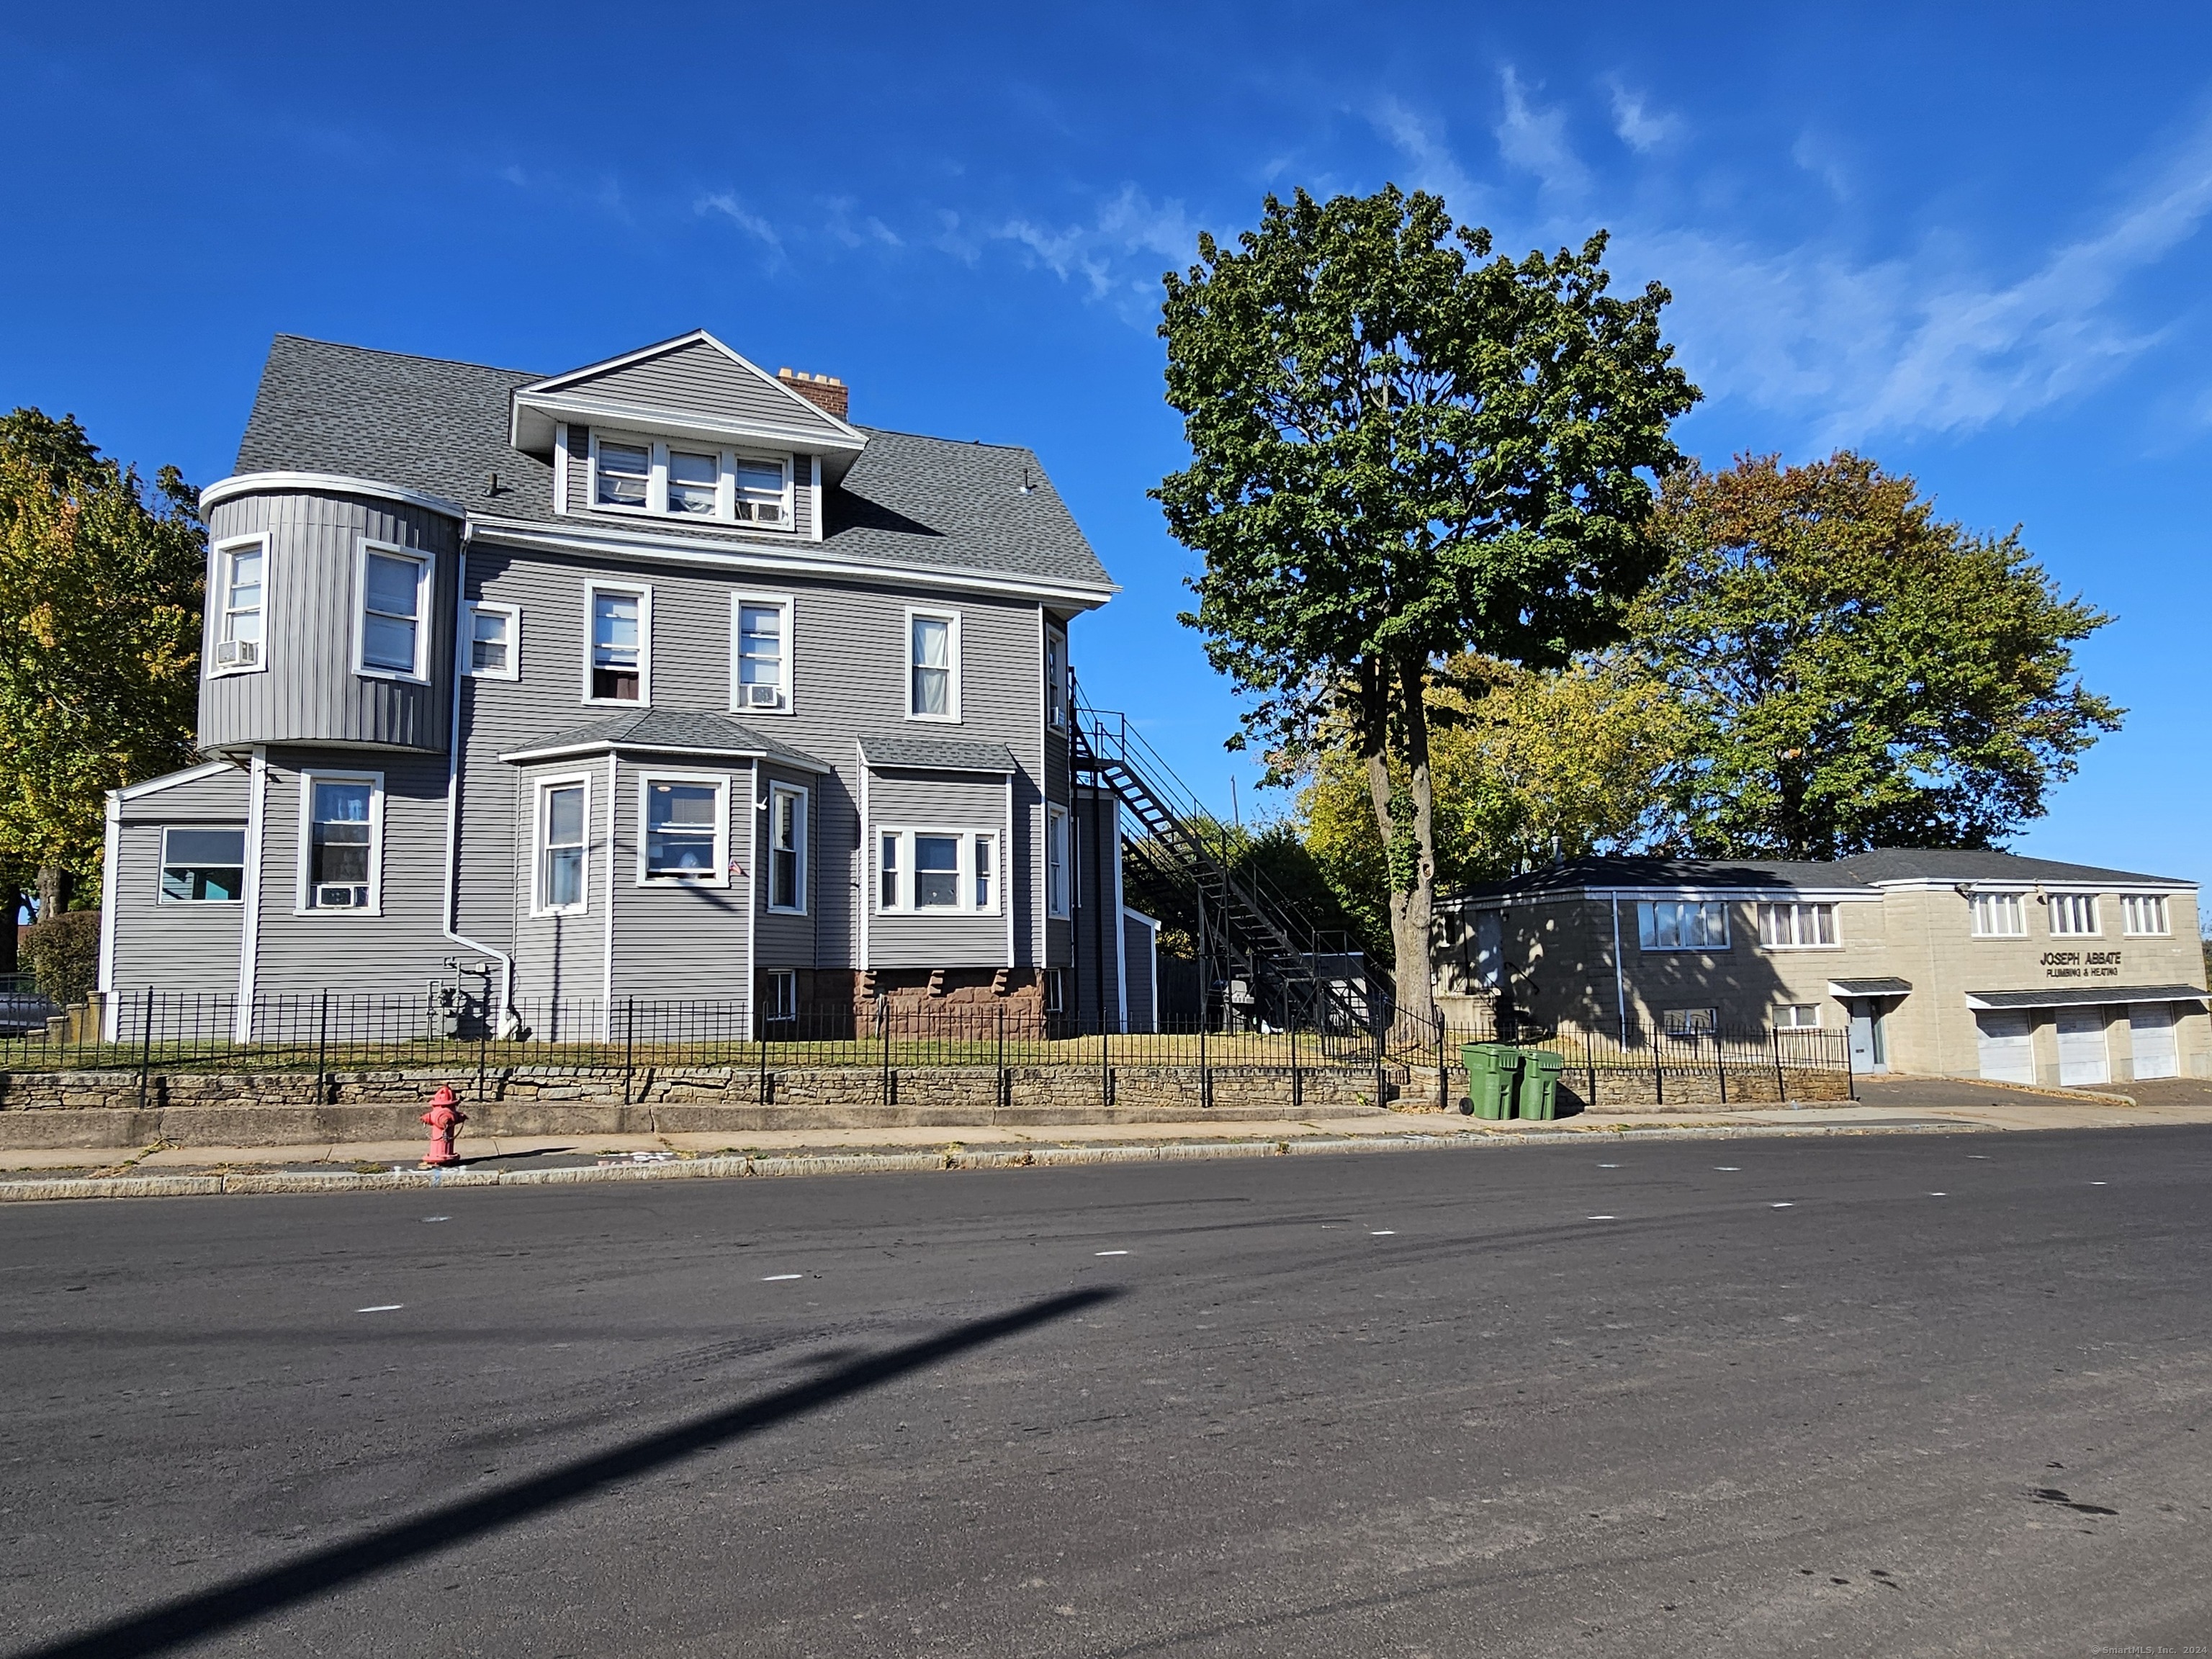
1896	1395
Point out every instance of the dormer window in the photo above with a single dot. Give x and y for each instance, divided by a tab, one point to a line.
664	480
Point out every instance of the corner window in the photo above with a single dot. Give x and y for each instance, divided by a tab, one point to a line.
241	570
1796	927
1682	924
685	830
395	606
932	665
1998	916
760	652
494	642
564	817
787	849
953	871
620	643
2073	916
2143	914
341	835
1055	861
202	867
676	480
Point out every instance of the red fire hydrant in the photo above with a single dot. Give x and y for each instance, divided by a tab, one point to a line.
445	1120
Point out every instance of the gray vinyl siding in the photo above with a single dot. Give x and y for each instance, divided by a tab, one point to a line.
403	948
959	801
1096	928
698	378
786	940
558	959
674	941
1143	998
175	948
307	690
219	797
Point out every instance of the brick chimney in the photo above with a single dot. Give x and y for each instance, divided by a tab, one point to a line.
824	392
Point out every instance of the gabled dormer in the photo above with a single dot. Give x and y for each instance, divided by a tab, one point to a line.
688	434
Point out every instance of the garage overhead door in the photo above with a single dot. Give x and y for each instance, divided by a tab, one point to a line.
2150	1028
2008	1051
2082	1057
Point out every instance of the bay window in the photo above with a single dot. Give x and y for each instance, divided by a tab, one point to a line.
787	849
564	813
685	833
929	870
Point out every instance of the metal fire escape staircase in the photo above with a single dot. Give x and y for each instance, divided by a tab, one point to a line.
1246	929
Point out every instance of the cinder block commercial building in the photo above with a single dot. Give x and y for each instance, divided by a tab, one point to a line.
1952	963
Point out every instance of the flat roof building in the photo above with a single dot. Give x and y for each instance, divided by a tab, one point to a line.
1953	963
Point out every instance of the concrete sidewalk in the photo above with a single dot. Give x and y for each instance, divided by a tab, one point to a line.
1893	1105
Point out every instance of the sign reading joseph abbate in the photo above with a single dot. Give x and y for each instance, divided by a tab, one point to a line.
2076	964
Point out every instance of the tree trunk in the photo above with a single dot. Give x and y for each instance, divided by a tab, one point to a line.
54	884
1413	912
10	959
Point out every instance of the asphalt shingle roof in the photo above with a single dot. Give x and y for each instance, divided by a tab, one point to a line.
441	428
669	729
1861	870
938	755
1973	864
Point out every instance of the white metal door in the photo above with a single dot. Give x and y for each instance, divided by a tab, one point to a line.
2006	1048
2150	1029
2081	1056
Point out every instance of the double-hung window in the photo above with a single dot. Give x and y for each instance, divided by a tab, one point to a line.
1056	849
686	831
395	610
932	665
674	479
2144	915
1798	1017
760	490
1055	680
241	578
564	817
2073	916
620	643
760	652
1682	924
787	849
1796	927
694	484
624	472
928	870
342	832
1998	916
494	642
779	994
202	867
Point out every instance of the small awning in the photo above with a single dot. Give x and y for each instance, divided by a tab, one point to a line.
906	754
2076	996
1869	987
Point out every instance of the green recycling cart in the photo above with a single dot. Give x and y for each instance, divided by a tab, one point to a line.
1493	1075
1538	1095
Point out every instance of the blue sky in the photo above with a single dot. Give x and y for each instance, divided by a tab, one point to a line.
1965	240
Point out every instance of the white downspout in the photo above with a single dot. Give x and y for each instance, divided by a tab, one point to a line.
110	852
249	927
462	645
1619	983
1120	928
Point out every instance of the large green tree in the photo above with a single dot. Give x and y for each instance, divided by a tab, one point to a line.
101	583
1403	448
1858	672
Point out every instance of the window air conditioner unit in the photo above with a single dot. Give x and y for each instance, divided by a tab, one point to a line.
334	898
763	696
238	654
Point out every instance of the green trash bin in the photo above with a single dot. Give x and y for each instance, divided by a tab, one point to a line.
1493	1070
1538	1095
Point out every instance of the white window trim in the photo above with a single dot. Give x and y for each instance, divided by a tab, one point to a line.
2052	906
721	782
914	612
163	861
2132	901
656	481
426	593
767	841
219	608
779	976
966	837
300	906
789	606
539	907
1728	926
1059	834
1835	924
2018	907
643	595
513	615
1055	678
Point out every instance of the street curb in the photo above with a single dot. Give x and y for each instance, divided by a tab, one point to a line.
1022	1158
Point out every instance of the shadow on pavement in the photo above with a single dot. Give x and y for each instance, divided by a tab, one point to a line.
192	1618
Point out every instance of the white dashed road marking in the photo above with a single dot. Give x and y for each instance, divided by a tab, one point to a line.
1789	1204
1113	1253
383	1307
777	1278
1386	1232
1601	1218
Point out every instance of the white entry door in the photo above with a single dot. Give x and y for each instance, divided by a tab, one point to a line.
2082	1057
2150	1028
2006	1048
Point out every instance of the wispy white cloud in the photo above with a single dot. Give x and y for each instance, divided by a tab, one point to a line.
724	203
1535	139
1821	157
1637	125
1104	253
863	231
1430	164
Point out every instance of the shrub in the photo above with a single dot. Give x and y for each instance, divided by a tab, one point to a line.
63	953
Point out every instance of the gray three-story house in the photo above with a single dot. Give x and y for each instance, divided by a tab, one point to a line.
655	679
